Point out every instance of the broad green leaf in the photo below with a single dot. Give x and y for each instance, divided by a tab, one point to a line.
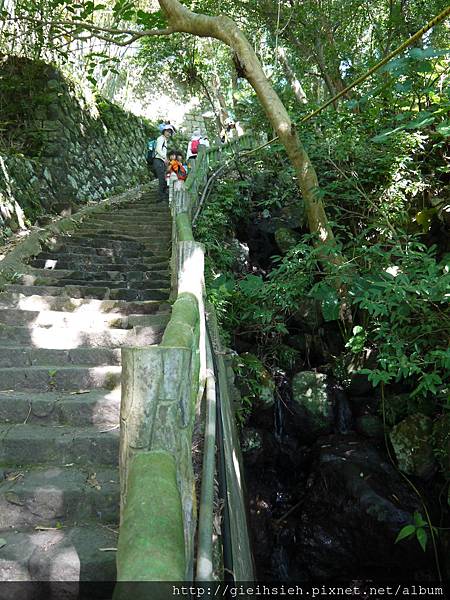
251	284
386	135
405	532
444	128
422	537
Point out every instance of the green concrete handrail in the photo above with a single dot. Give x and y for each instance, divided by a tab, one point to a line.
184	228
162	388
180	331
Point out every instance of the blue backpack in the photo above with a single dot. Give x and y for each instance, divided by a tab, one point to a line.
151	149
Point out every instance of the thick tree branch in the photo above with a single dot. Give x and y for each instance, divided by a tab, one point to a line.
181	19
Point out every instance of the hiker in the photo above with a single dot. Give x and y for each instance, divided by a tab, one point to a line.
176	166
164	124
204	141
183	171
193	146
172	166
160	161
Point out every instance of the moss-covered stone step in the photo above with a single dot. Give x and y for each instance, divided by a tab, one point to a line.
82	407
153	284
32	444
42	276
64	377
105	239
87	263
24	356
146	222
84	291
58	496
72	259
73	337
70	249
96	241
87	320
64	555
81	305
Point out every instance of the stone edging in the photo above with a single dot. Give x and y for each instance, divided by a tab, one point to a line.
32	244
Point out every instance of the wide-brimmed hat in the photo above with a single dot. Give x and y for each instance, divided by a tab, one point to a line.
196	133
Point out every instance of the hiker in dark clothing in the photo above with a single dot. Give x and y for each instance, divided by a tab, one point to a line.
160	162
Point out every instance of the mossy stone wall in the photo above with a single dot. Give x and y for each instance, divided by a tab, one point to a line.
59	146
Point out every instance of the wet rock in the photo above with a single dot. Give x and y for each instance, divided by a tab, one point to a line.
312	404
355	505
286	239
290	217
370	426
410	441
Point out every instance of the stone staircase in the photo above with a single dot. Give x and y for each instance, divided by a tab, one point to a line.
61	329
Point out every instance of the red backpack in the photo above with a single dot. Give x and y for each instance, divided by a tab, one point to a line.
194	146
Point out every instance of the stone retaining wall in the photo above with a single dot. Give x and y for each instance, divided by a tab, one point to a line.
58	147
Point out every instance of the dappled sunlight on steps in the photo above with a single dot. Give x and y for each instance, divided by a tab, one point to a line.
62	324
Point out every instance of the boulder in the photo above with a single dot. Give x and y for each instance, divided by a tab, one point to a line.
355	505
290	217
370	426
410	440
312	404
286	239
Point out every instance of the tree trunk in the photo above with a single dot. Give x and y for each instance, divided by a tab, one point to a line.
182	20
292	77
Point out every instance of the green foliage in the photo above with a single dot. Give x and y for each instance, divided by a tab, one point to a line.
417	529
402	290
255	384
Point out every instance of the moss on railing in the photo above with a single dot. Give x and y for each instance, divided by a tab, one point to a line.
180	330
184	228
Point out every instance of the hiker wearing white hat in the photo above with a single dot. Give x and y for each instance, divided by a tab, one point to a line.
193	146
160	161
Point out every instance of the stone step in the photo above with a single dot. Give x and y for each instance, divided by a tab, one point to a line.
84	321
100	239
55	496
94	241
46	276
129	223
83	291
65	377
97	407
160	254
152	284
66	555
58	265
23	356
58	445
73	259
108	233
80	305
66	338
